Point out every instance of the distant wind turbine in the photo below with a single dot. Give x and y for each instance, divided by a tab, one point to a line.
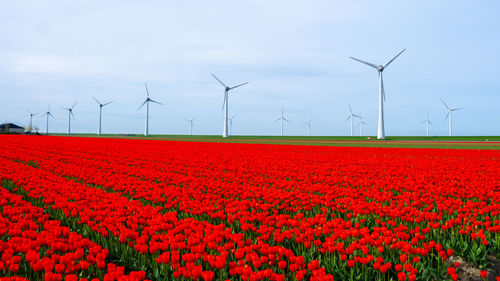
351	116
450	110
70	114
360	124
282	118
225	104
231	124
380	68
191	122
100	113
48	114
308	125
31	119
427	123
146	102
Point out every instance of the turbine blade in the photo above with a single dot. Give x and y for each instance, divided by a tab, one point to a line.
219	80
238	85
147	91
457	108
224	102
277	120
389	62
107	103
444	103
347	119
382	85
286	120
350	109
71	112
50	114
365	62
447	114
142	104
430	123
29	111
155	101
422	122
98	102
73	105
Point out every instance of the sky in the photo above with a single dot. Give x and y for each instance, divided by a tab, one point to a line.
294	53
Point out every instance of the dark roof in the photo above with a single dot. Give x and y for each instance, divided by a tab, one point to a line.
11	126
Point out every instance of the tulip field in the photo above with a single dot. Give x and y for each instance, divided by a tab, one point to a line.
120	209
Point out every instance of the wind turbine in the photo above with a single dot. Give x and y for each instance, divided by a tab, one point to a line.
31	119
225	105
381	98
231	124
450	110
308	125
427	123
282	118
100	113
48	114
191	122
146	102
351	116
70	113
361	123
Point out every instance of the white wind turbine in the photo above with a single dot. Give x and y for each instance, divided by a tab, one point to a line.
381	98
351	116
282	118
191	123
47	125
31	119
100	113
225	104
70	114
360	124
448	115
427	123
308	125
146	102
231	124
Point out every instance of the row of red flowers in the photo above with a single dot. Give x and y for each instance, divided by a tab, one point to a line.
382	206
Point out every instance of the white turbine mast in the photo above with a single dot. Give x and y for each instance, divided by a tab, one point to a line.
308	126
380	68
231	124
47	125
449	115
146	102
31	119
225	104
191	123
427	123
282	118
70	114
100	113
351	117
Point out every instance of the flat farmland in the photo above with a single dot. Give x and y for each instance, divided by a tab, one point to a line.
81	208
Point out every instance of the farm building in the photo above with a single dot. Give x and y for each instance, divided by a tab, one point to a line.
11	128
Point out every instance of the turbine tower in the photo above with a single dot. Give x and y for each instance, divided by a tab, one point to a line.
100	113
282	118
191	122
48	114
427	123
70	113
450	110
231	124
381	93
351	116
146	102
308	125
31	120
225	104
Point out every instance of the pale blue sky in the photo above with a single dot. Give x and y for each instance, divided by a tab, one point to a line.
294	53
